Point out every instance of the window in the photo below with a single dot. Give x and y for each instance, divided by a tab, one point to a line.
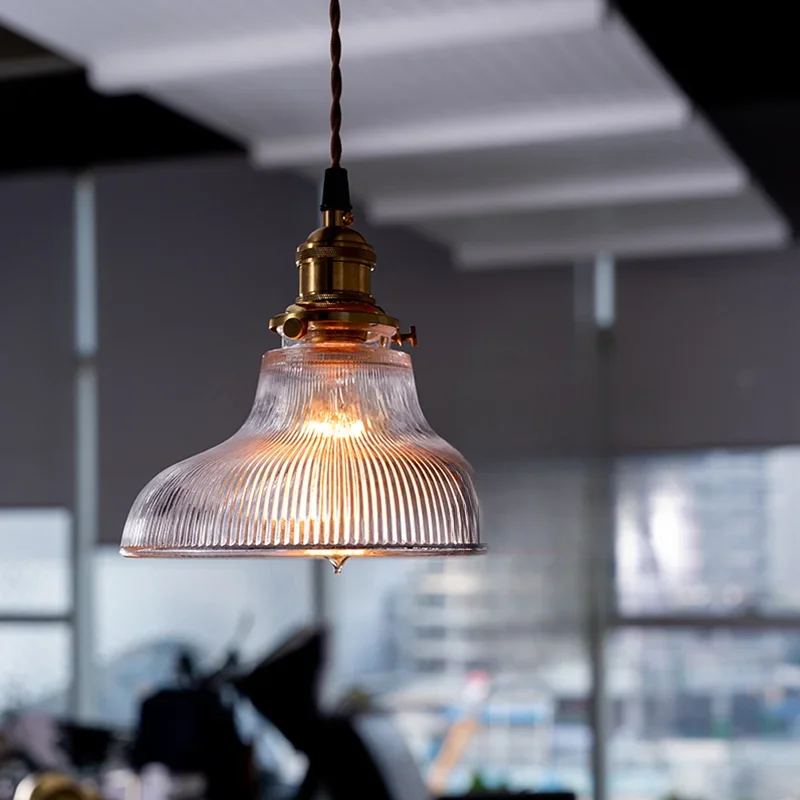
705	718
708	533
705	670
147	611
34	561
498	640
702	653
35	666
35	605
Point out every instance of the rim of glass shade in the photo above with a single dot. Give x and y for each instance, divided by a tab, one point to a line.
300	551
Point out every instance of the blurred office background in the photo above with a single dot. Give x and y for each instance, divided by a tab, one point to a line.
588	213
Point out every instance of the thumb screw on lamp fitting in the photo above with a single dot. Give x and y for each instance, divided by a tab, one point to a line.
294	328
410	337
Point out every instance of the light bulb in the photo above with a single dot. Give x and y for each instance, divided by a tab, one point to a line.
336	426
335	460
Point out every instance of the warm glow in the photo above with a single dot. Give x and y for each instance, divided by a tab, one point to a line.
335	426
335	460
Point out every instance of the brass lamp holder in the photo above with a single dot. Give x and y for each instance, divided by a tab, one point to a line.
335	267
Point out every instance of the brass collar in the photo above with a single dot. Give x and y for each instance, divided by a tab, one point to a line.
335	267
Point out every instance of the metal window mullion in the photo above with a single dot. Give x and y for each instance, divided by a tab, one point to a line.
35	619
86	488
594	317
706	622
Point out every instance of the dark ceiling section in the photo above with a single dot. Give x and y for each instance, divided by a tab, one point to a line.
52	119
738	63
15	48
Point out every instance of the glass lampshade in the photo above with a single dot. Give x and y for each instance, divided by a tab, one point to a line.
335	460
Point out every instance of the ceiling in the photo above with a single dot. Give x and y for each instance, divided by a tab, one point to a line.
516	132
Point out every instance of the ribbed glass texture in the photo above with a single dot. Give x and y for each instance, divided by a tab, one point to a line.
335	460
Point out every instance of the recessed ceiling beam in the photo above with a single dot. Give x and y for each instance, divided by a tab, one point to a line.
614	189
479	131
686	240
408	33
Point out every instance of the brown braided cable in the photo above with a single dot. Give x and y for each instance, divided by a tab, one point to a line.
336	84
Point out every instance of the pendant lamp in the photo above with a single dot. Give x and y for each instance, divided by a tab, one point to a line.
336	458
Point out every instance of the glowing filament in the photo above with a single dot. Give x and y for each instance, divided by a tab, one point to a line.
336	426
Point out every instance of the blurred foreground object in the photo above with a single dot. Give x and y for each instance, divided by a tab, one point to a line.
189	733
53	786
37	738
505	795
350	755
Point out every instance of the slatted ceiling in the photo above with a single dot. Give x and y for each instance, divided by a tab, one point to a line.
539	114
690	148
96	27
599	221
261	104
93	28
681	227
640	244
438	85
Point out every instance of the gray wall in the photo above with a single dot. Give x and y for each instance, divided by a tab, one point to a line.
708	352
36	407
195	256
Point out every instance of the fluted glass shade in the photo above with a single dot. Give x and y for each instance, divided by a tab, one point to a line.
335	460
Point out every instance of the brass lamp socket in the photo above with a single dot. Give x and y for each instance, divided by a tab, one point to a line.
335	267
335	260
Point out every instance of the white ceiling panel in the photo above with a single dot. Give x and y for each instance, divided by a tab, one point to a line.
588	191
481	131
613	170
495	78
727	237
281	47
685	148
94	29
744	221
597	221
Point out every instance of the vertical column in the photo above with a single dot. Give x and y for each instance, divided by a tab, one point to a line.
320	570
86	508
594	326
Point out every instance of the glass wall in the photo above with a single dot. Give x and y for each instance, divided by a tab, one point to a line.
705	668
705	713
481	661
35	609
708	533
484	663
